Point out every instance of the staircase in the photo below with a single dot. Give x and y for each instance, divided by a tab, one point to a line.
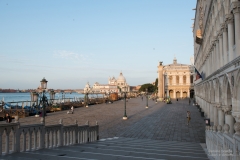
120	149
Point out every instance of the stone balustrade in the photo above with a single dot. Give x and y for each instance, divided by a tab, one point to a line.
221	144
17	138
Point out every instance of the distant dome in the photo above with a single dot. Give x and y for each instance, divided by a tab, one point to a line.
121	77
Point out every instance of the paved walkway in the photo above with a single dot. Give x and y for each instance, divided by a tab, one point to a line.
159	122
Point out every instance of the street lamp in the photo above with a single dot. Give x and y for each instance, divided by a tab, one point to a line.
146	98
125	111
43	99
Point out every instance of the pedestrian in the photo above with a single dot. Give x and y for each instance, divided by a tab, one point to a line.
8	118
72	109
177	99
188	117
142	98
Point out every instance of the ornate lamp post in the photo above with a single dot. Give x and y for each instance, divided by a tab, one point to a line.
43	99
146	98
125	111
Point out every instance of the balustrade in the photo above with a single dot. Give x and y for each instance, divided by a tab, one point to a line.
17	138
221	144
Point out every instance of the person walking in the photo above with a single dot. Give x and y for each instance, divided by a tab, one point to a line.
8	118
72	109
142	98
188	117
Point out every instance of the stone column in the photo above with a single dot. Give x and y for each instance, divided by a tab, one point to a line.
181	94
236	11
229	120
220	116
163	86
215	118
220	49
217	64
225	43
160	81
211	113
230	35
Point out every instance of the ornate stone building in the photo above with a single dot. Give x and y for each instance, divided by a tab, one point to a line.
114	85
216	33
175	80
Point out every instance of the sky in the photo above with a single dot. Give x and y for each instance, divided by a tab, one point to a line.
72	42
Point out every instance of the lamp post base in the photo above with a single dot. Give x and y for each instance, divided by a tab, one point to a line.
124	118
146	106
86	105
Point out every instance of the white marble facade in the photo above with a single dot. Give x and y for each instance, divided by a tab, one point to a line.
216	33
114	85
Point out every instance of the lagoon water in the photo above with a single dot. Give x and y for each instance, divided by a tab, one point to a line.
16	97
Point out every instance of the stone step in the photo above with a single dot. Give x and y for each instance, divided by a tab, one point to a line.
118	148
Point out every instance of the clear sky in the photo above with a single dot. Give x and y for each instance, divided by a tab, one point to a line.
72	42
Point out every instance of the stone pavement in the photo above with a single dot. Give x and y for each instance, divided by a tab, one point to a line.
158	122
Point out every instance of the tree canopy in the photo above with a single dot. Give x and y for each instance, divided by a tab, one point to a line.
150	87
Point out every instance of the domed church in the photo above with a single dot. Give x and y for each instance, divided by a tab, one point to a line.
120	82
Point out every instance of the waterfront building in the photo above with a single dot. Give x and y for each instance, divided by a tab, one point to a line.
216	33
114	86
175	80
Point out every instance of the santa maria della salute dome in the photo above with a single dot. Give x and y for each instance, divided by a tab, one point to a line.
120	82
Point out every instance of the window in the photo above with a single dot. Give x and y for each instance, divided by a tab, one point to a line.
191	78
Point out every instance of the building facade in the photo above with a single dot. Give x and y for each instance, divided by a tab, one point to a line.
114	86
216	33
175	80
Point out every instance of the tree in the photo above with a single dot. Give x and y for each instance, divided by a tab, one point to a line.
150	87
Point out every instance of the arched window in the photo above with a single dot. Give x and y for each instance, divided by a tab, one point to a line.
191	78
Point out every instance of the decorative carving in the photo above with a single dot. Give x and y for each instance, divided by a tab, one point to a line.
237	128
235	6
236	115
229	18
226	128
219	128
227	109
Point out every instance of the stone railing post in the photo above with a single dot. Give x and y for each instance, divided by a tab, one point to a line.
42	136
60	136
17	137
97	131
1	133
75	140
